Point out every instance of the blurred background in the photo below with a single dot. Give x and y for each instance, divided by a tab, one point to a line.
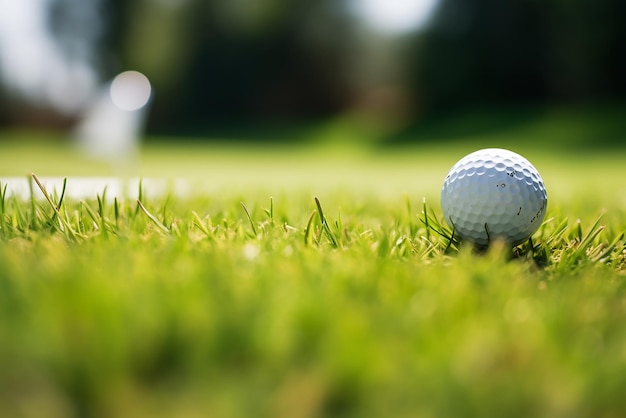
401	70
222	65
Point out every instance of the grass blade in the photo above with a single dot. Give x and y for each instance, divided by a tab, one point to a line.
307	229
199	223
153	218
270	211
3	195
245	209
64	225
93	215
116	211
426	223
139	196
587	239
62	193
325	227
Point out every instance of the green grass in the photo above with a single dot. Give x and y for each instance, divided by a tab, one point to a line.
308	283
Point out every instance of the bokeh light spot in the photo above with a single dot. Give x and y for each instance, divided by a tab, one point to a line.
130	90
394	16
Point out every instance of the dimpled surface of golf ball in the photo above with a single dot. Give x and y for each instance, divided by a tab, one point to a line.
493	194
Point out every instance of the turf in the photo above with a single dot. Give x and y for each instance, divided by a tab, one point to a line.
305	283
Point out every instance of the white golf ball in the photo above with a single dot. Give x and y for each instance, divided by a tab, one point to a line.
493	194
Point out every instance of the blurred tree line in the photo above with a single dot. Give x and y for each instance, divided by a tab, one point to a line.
231	61
538	50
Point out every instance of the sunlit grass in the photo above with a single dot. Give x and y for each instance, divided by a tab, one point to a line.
307	281
292	305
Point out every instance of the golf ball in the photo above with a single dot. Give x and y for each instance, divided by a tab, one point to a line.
493	194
